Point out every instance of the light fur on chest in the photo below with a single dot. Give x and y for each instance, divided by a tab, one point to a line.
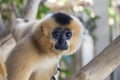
46	64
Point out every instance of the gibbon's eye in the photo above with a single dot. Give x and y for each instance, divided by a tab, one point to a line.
56	33
68	34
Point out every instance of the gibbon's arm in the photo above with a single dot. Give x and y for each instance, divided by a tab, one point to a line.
3	73
25	63
20	63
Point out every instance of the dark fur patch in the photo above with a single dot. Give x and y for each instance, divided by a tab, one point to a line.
59	69
41	28
62	18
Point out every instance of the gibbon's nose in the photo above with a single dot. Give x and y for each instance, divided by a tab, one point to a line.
61	44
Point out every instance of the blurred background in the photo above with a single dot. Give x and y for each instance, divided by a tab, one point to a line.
101	20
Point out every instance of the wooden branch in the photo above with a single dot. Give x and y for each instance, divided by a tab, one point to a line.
16	12
3	30
102	65
3	33
30	13
31	9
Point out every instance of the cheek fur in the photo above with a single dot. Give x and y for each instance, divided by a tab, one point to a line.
74	44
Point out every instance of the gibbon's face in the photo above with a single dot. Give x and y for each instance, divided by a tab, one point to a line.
60	33
61	36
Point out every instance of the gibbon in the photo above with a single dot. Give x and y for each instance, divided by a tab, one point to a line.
3	72
37	54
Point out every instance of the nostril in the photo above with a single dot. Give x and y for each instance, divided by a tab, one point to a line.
61	44
64	42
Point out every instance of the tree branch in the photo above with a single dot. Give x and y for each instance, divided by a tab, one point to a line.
102	65
31	9
16	12
3	30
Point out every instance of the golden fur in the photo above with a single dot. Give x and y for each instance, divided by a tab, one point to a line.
3	72
34	57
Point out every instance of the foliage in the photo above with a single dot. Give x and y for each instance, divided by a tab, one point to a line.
5	1
90	23
65	72
42	11
112	16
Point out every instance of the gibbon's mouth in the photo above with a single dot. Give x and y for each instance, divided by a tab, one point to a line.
61	47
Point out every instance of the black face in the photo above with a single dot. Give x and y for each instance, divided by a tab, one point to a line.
61	36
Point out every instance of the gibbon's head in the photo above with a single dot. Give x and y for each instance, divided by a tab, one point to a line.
59	33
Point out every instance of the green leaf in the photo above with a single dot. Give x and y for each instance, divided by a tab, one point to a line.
67	72
19	1
5	1
5	17
42	10
111	12
87	11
